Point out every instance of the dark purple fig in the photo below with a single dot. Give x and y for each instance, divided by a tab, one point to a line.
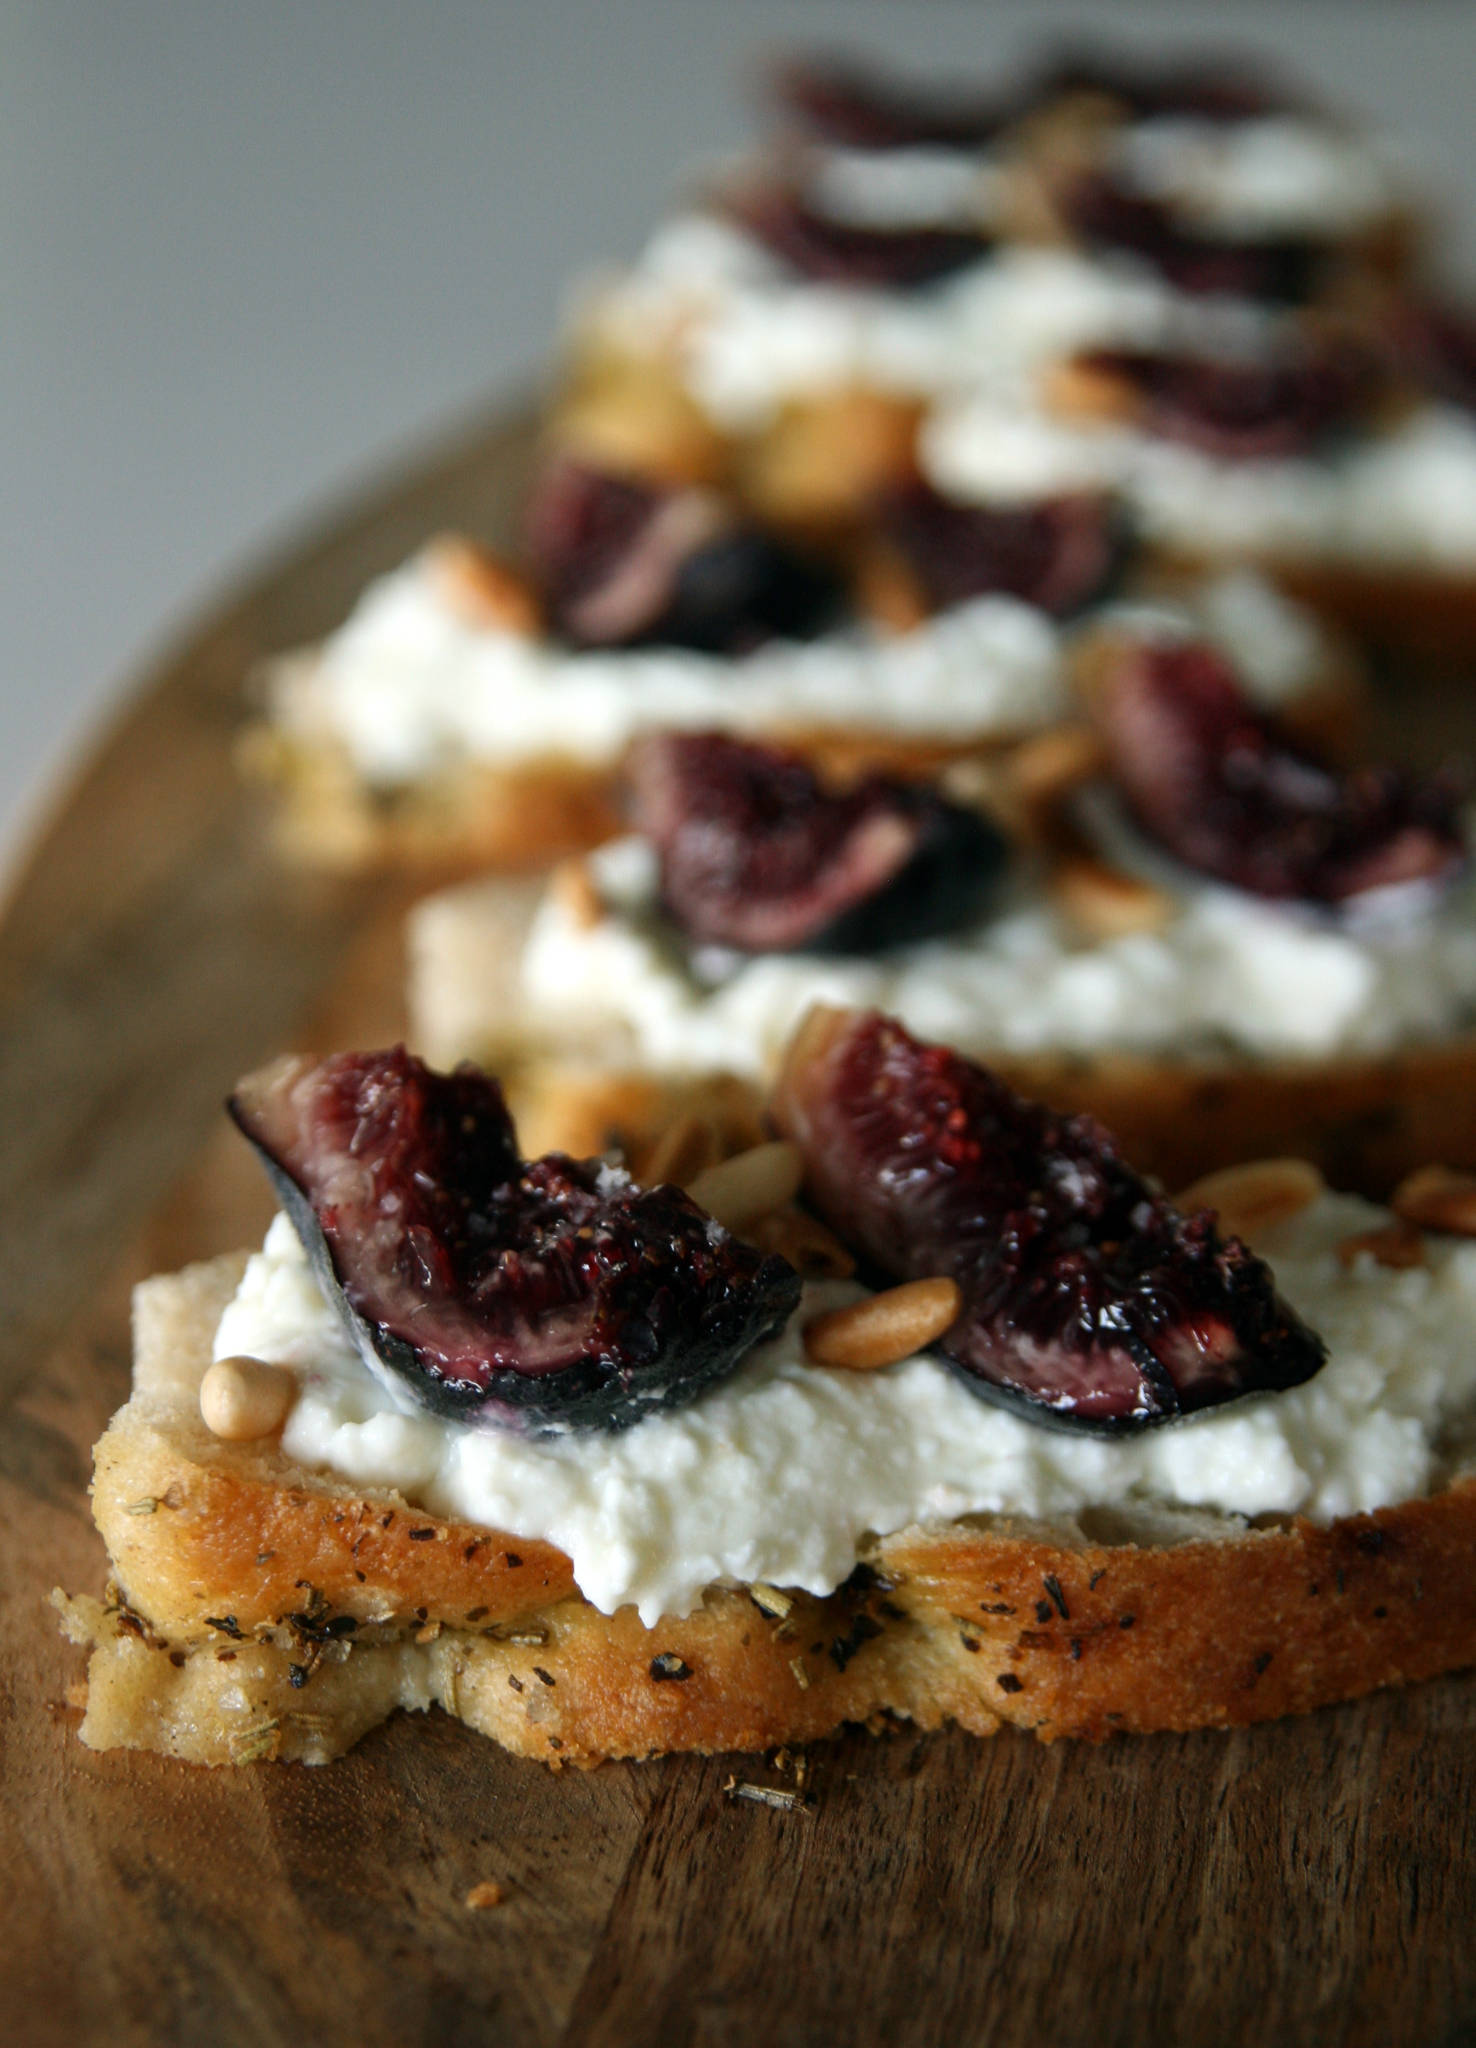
838	101
1436	346
1282	270
1058	554
829	251
1239	408
1229	792
758	855
1232	87
1087	1300
537	1297
626	563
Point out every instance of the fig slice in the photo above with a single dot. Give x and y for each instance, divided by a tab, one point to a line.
1088	1302
1228	792
756	854
624	562
852	106
828	251
1058	554
537	1297
1282	270
1242	409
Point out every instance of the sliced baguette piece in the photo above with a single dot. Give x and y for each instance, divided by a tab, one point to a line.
259	1610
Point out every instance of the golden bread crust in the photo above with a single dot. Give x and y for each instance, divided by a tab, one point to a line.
265	1611
475	816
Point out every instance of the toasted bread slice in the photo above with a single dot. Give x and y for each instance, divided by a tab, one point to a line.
578	1084
260	1610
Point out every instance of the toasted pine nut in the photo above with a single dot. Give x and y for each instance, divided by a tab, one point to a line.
885	1327
749	1185
486	591
1103	902
1043	769
1435	1198
1253	1197
484	1896
809	1247
1398	1244
1078	390
244	1398
687	1147
888	592
572	887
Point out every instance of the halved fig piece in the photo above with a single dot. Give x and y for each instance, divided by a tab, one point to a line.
1227	791
841	102
758	855
1088	1301
1227	88
542	1296
1283	269
839	252
1058	554
1242	408
1436	344
624	562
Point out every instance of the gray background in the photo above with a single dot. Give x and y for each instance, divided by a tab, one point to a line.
251	253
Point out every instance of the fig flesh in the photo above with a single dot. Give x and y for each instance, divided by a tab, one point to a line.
1241	409
757	855
830	251
842	103
628	563
1058	554
1226	791
1280	270
541	1296
1088	1301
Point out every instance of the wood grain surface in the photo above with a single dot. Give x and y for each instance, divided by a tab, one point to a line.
1305	1883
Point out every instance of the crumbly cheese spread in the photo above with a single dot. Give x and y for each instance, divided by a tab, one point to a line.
777	1474
1405	497
747	337
1274	175
410	684
1227	976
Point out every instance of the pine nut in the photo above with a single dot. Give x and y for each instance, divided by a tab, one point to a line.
1104	903
749	1185
885	1328
1435	1198
687	1147
1042	770
1398	1244
245	1398
1253	1197
484	590
572	887
809	1247
1077	389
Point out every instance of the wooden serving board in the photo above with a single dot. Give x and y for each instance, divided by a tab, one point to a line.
1310	1882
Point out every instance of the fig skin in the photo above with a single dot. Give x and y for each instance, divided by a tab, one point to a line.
1058	554
1089	1303
852	106
623	562
1226	791
758	856
829	251
535	1297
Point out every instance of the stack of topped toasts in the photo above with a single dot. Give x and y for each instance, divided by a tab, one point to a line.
928	690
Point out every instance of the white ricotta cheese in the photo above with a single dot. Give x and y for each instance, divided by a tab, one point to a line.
1404	497
777	1474
1276	175
409	684
1227	975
